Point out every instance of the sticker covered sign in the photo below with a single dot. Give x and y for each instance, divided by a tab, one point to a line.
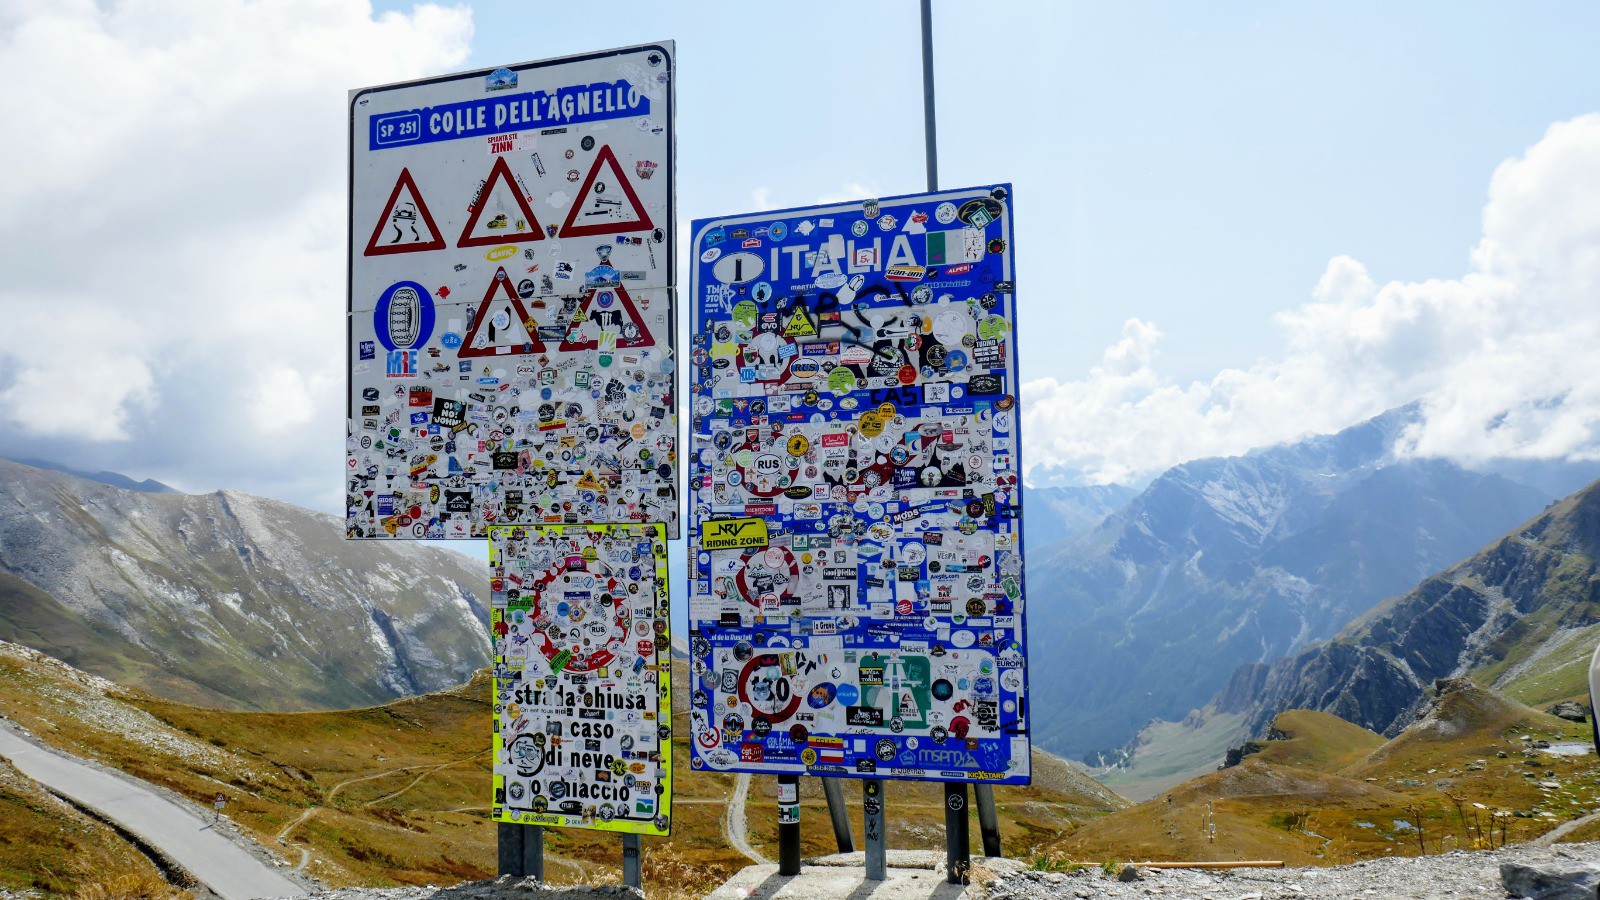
583	715
511	298
856	581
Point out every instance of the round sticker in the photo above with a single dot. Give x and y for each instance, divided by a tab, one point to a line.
824	694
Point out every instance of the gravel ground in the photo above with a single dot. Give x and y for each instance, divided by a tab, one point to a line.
505	888
1449	875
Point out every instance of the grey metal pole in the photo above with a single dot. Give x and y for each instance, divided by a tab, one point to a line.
872	828
930	135
532	851
788	824
988	819
834	791
957	848
631	875
508	838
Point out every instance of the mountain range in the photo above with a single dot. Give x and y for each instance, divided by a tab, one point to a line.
230	600
1229	561
1055	514
1521	616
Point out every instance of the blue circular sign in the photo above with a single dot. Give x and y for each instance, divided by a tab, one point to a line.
403	318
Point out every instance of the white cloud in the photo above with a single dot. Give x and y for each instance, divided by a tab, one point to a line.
1503	356
173	225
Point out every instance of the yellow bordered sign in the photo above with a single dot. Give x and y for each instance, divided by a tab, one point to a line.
582	728
734	534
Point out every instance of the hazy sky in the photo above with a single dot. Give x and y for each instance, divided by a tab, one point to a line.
1237	223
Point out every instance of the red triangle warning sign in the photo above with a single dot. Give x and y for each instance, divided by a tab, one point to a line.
405	226
599	209
501	326
609	319
501	214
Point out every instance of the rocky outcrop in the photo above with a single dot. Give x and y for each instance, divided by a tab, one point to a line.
1563	880
1537	585
1572	712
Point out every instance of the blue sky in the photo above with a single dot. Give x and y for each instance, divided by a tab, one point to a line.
1236	223
1196	165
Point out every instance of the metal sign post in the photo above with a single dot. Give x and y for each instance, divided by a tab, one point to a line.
988	819
930	135
509	844
520	850
957	854
631	874
839	813
788	825
872	828
532	850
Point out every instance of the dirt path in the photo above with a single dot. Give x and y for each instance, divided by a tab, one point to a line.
305	852
1549	838
734	823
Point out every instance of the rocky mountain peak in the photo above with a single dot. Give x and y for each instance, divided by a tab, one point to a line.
228	599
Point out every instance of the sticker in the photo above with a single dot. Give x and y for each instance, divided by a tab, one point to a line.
729	534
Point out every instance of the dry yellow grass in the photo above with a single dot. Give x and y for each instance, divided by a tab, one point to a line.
130	887
398	794
1462	779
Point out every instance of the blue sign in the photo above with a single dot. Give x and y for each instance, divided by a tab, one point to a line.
855	536
570	105
403	317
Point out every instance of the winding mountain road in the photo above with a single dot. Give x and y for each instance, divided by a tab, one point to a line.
186	838
734	823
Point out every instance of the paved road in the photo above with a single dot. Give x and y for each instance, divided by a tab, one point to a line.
222	865
734	823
